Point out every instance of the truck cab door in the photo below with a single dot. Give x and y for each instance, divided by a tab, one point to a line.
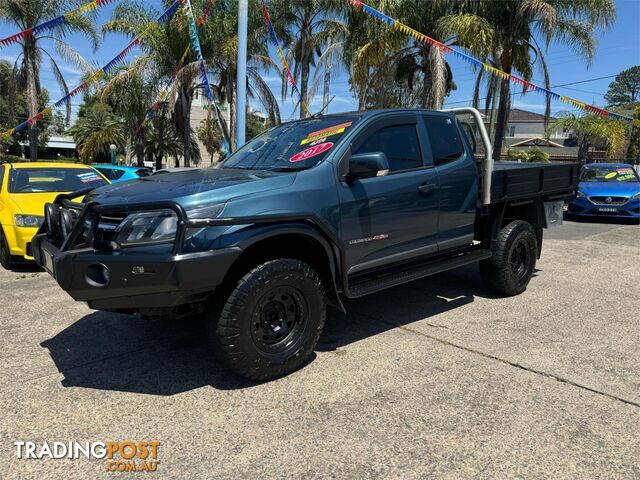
458	174
389	219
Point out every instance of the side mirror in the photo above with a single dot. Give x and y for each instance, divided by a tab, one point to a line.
368	165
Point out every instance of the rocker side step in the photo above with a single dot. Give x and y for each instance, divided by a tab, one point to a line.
416	272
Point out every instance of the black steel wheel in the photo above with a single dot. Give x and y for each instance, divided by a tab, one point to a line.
271	321
279	319
513	262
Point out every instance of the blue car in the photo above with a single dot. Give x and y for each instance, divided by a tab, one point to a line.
117	173
607	190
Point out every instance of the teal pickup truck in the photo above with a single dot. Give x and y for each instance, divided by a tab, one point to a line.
299	218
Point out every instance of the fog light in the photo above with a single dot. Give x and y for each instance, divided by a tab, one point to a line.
141	270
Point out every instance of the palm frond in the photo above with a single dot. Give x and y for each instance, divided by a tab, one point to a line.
61	83
265	96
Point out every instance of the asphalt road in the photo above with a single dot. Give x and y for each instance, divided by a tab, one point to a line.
436	379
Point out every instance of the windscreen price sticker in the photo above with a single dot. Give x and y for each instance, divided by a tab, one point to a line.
311	152
327	132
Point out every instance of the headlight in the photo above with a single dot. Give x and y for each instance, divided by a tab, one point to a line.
159	226
637	195
31	221
580	195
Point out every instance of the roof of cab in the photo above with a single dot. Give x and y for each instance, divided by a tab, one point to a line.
371	113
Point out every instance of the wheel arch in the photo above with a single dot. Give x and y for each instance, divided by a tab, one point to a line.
530	211
295	240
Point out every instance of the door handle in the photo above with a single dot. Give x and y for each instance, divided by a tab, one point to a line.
427	188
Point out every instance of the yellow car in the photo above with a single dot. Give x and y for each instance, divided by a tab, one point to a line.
24	190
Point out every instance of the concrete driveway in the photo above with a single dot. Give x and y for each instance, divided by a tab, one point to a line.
436	379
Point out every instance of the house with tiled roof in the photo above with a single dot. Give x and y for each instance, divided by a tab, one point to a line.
526	129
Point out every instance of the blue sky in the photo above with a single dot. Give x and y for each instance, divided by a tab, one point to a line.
618	49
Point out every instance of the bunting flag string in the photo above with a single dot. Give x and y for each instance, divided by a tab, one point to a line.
273	37
97	75
54	22
204	79
420	37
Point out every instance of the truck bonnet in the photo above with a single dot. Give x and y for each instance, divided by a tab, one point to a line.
197	186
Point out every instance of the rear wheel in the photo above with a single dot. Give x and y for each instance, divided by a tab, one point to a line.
513	262
271	321
6	259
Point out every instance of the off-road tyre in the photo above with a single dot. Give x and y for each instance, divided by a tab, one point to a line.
510	268
286	293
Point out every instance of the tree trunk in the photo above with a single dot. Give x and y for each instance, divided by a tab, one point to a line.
32	92
583	149
327	81
438	70
304	81
503	107
161	130
305	70
186	126
140	149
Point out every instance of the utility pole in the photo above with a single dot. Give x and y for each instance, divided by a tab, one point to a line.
241	83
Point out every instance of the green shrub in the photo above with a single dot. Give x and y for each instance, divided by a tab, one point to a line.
530	155
11	159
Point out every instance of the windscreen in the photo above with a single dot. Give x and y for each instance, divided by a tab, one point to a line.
44	180
609	175
293	146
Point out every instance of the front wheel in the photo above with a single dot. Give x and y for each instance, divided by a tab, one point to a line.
271	321
513	262
6	259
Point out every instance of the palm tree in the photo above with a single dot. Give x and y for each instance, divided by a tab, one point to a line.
26	14
375	49
163	139
514	31
95	130
307	27
166	44
131	96
592	129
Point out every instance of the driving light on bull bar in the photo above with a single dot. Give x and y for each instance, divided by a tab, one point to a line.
31	221
159	226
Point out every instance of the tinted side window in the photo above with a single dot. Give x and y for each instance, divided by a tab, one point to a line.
399	143
116	174
1	176
444	137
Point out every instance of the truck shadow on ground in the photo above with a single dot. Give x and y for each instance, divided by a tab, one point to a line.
108	351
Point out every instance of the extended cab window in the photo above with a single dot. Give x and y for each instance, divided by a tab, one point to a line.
399	143
446	144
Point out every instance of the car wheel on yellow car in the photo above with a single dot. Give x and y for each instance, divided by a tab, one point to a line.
6	259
